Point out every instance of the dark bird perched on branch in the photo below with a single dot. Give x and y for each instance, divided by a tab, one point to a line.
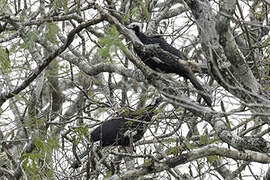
123	130
166	61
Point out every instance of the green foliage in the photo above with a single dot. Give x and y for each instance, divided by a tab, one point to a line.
36	164
188	145
216	139
3	4
79	133
60	5
205	138
258	11
141	111
228	125
30	39
169	140
134	12
4	61
124	112
176	150
108	174
211	159
110	43
148	163
52	31
139	12
98	112
267	87
3	159
145	12
41	122
266	42
129	123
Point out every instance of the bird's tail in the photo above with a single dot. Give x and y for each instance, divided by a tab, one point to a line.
199	87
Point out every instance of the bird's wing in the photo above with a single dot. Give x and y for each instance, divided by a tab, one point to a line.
167	47
107	129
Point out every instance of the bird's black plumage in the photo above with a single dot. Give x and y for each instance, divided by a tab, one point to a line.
157	39
166	63
122	130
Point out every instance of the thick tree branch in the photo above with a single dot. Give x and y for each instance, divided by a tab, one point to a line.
257	144
227	63
209	150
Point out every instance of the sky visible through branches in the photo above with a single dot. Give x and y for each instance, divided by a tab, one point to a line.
67	66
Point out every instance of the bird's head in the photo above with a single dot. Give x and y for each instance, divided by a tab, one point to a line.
135	27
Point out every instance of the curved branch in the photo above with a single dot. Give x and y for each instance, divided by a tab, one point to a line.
47	60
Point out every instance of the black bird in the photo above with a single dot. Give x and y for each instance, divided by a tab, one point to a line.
122	130
163	62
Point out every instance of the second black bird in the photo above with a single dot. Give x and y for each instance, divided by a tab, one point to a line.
122	130
166	62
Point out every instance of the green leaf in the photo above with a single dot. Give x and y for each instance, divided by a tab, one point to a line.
211	159
108	174
110	43
79	133
39	143
65	6
61	5
175	151
205	138
169	140
99	112
53	143
188	145
266	41
228	125
3	5
30	39
147	162
145	11
4	61
136	12
129	123
33	162
52	31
